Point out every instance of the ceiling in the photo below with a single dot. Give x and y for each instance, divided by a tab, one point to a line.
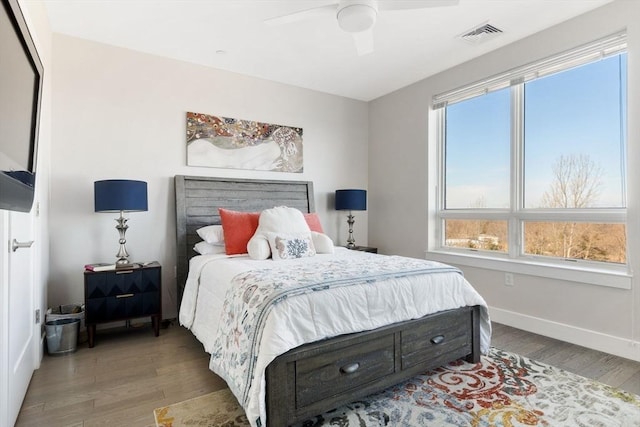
410	45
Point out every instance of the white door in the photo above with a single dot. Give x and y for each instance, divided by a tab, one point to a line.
18	313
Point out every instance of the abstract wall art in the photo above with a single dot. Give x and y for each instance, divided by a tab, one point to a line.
222	142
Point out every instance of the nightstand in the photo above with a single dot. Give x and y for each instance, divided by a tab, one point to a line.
364	249
122	294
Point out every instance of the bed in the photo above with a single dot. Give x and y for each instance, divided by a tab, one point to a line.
315	376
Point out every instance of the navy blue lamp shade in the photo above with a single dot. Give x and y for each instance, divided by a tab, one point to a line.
351	200
115	195
120	195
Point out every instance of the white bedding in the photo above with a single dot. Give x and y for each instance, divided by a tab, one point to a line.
312	317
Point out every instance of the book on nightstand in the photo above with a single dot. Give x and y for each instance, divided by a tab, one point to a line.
100	266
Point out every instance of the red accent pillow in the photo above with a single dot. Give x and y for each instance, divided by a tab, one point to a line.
313	221
238	228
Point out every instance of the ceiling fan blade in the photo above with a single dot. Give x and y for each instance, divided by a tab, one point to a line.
414	4
364	42
329	9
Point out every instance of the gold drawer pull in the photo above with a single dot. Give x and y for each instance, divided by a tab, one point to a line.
124	295
438	339
350	369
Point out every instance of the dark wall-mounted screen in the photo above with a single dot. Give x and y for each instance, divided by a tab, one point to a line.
20	91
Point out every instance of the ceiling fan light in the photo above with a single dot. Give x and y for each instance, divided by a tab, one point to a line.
357	17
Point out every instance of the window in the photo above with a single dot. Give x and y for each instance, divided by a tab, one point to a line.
477	152
533	162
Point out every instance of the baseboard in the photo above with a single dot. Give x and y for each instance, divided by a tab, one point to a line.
617	346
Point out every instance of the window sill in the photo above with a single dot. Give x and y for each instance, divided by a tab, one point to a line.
620	279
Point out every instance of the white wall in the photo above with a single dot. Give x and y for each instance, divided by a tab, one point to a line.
595	316
121	114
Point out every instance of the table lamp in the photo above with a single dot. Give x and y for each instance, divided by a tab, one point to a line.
351	200
120	195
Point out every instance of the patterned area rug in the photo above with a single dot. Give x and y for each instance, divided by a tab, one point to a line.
219	408
503	390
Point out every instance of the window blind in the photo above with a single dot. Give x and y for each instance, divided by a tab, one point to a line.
599	49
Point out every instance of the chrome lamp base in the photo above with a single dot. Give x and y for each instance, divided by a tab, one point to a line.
122	255
351	242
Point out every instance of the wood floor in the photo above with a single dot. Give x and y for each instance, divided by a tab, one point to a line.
130	372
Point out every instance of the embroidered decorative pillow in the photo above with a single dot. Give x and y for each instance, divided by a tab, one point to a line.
211	234
238	227
290	246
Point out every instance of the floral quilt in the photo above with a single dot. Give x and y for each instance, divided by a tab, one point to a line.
254	293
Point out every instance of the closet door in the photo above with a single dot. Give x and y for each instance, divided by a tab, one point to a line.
18	321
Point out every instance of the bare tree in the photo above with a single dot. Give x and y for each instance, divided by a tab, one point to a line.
479	203
576	184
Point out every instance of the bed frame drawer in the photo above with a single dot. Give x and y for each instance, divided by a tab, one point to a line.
447	336
306	381
325	375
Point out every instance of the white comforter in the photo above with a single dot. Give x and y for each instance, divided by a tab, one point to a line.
312	317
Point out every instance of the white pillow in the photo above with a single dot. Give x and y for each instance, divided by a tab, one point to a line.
280	219
258	247
204	248
290	245
211	234
322	243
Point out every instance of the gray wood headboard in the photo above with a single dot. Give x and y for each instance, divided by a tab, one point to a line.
198	199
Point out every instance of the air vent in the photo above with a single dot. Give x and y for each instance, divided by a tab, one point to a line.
480	34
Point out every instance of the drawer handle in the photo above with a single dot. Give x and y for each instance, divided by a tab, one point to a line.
350	369
438	339
124	296
124	271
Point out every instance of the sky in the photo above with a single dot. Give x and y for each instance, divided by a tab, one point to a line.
570	113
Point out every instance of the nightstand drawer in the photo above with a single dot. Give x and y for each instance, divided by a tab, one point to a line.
124	306
113	283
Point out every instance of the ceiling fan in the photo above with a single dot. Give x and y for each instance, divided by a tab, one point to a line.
358	16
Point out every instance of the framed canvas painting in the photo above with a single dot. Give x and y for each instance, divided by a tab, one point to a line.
222	142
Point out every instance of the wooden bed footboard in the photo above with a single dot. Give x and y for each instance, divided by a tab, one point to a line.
320	376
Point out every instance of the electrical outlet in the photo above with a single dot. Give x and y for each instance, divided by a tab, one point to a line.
508	279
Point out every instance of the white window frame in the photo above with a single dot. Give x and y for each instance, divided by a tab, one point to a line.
516	261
